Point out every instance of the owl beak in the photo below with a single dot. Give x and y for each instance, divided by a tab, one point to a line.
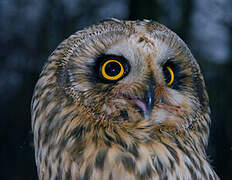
146	104
149	100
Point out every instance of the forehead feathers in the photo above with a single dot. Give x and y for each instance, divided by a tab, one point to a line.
151	36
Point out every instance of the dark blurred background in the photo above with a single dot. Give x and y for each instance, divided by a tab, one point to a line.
31	29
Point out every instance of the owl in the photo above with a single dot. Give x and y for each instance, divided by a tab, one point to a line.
121	100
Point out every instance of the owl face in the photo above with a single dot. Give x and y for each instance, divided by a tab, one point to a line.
134	71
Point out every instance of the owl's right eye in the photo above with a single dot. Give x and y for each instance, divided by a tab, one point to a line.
112	68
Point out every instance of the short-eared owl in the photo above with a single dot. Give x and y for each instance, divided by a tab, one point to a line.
121	100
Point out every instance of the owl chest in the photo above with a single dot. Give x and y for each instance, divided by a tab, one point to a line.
142	163
135	163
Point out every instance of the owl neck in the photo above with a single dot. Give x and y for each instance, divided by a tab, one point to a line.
165	153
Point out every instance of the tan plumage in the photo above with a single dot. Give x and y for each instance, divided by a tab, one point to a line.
136	127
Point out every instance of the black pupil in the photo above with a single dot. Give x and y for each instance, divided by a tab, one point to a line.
112	69
167	75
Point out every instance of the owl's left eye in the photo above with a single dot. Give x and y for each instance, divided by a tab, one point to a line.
169	75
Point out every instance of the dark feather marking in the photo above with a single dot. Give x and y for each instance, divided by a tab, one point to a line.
45	161
37	113
66	116
161	171
172	152
107	143
203	172
194	144
59	170
200	139
116	118
191	170
46	101
204	128
193	161
77	132
172	164
164	176
77	150
50	116
68	175
49	172
133	150
119	140
49	70
47	94
187	153
146	174
40	156
59	152
46	86
124	115
39	136
59	175
128	163
63	78
108	139
46	133
88	173
34	106
159	166
45	137
100	159
111	176
141	39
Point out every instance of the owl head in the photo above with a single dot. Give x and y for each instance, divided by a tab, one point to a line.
119	83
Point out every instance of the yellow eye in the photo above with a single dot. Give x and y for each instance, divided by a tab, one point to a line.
169	74
112	70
